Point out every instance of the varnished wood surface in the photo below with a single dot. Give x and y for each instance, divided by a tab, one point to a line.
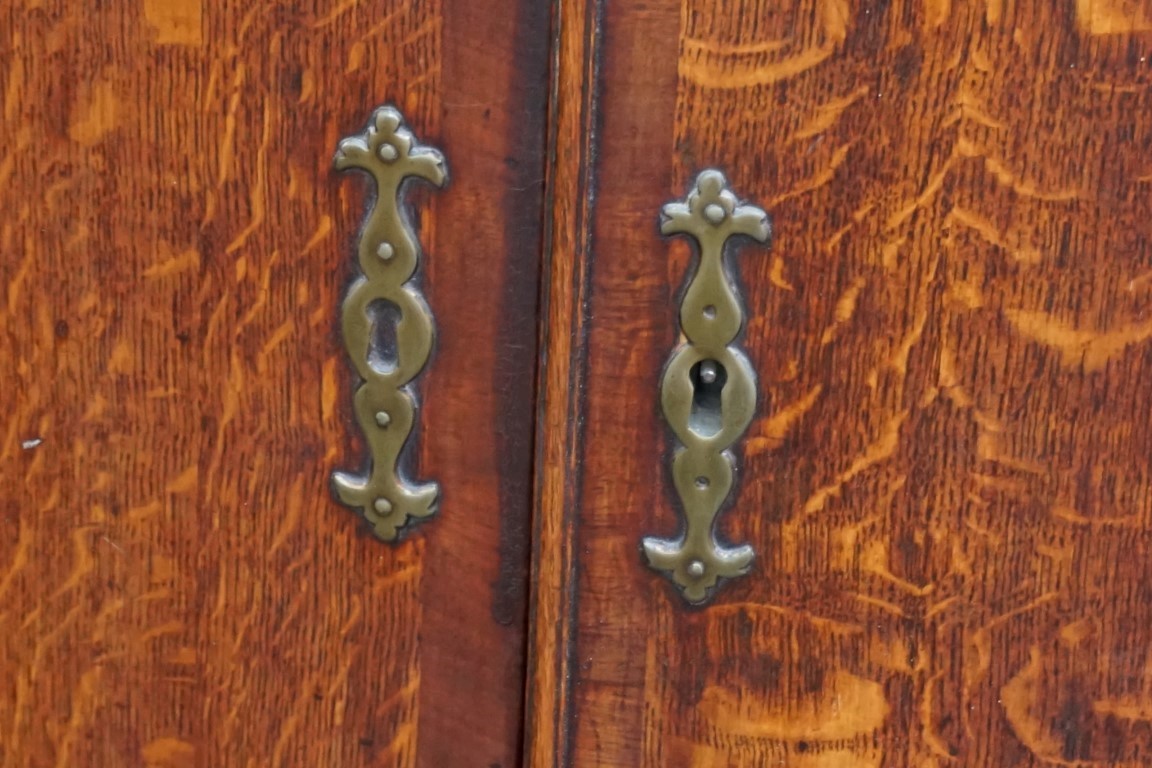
177	587
949	485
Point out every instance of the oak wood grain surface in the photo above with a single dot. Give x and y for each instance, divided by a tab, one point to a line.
177	587
949	484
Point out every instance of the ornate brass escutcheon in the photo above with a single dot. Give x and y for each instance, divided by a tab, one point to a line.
389	253
708	392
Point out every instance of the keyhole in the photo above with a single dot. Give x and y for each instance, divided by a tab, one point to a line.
383	316
708	378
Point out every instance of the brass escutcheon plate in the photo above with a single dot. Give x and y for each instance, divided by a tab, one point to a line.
388	256
708	392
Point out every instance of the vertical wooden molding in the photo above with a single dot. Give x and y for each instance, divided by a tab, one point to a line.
566	269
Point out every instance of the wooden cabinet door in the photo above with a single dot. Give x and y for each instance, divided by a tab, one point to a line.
177	585
947	481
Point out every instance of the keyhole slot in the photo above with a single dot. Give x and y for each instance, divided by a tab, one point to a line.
708	379
383	317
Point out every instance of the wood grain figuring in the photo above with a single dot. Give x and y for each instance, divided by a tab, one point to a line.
949	482
177	587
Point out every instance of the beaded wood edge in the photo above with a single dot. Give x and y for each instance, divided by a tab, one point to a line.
708	392
388	256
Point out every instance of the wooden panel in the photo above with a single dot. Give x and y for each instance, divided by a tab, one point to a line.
177	587
949	484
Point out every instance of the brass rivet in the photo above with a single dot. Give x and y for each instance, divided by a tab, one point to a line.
385	251
387	153
696	569
383	506
383	419
714	213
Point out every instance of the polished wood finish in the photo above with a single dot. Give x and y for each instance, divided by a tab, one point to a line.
177	587
948	485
